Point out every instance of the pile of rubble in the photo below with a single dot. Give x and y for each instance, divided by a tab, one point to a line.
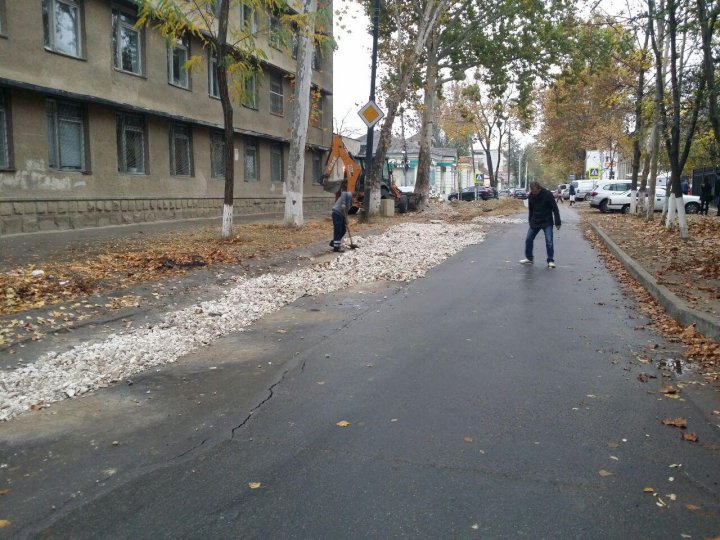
403	253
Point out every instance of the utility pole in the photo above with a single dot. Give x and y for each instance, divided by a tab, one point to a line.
371	131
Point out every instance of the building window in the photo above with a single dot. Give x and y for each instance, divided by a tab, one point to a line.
4	133
131	144
217	155
178	55
213	85
127	43
276	162
66	135
61	23
250	91
249	18
294	41
316	108
181	154
251	160
3	20
274	35
276	94
317	168
316	58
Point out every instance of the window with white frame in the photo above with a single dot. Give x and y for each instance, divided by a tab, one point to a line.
217	154
274	34
250	91
249	18
4	133
317	168
178	55
251	160
127	43
66	135
276	162
277	98
181	153
3	19
62	26
213	84
315	58
131	144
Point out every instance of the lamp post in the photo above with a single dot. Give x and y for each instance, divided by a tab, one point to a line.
371	130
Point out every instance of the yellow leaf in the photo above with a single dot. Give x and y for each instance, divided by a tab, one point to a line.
603	472
4	523
468	439
692	507
254	485
648	490
343	423
4	492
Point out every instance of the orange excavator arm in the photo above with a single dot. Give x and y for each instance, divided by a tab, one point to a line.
340	165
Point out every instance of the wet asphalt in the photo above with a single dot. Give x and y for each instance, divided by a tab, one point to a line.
486	400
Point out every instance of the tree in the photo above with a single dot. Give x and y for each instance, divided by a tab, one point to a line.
233	46
686	88
708	22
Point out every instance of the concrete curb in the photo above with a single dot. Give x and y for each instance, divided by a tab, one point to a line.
676	307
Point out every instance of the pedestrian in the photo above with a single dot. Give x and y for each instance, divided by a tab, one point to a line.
543	213
571	190
558	194
343	203
684	186
705	195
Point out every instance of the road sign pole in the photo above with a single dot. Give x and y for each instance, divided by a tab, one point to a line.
371	129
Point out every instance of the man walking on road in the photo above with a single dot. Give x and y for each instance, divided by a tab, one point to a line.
543	213
571	191
343	203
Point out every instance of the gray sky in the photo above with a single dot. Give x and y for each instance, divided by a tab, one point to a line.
351	68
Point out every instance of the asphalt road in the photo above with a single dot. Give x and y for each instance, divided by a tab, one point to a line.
487	400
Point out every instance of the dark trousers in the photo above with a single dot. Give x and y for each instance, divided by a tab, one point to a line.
704	206
338	229
530	238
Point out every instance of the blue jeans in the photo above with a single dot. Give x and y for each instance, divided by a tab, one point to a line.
531	234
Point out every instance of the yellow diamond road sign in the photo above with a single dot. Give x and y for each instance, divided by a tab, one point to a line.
371	114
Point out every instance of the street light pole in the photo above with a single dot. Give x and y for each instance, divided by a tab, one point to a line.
371	131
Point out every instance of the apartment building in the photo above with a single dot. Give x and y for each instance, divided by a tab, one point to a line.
100	125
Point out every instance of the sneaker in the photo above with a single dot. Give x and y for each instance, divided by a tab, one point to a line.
551	264
526	261
332	243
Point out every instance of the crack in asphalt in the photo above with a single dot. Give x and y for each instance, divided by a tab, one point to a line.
271	393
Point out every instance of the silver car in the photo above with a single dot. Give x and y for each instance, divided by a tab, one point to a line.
622	202
605	189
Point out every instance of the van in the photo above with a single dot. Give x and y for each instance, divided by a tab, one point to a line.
583	188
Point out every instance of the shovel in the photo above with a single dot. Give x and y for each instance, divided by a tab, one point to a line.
347	226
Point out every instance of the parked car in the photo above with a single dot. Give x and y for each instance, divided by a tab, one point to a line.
604	190
582	189
622	202
469	193
520	194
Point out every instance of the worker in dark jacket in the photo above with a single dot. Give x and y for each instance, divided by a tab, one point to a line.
343	203
543	214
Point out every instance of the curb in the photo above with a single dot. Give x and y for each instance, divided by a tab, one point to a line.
677	308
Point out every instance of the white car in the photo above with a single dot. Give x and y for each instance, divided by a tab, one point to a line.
622	202
604	190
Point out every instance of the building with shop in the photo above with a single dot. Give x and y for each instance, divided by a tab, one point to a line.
100	124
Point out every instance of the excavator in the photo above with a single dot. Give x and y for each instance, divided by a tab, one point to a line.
341	165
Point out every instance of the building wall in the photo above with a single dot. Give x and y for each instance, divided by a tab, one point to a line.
34	196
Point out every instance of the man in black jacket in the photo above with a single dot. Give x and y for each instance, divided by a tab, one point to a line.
543	213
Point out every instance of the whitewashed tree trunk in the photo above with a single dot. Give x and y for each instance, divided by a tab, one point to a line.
682	217
633	201
227	221
668	213
301	115
654	149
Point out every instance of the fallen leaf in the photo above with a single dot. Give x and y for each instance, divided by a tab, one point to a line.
692	437
343	423
36	406
321	382
676	422
672	396
668	390
468	439
643	377
254	485
603	472
475	526
4	492
648	490
692	507
4	523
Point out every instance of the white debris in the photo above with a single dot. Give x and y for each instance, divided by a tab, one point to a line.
36	273
403	253
497	219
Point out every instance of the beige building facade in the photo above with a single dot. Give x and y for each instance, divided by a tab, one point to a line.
100	125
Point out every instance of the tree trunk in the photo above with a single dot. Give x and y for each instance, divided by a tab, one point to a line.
422	183
300	117
707	26
491	169
221	48
654	150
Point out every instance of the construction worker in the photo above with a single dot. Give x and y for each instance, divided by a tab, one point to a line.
343	203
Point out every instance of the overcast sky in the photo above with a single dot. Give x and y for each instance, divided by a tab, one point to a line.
351	68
